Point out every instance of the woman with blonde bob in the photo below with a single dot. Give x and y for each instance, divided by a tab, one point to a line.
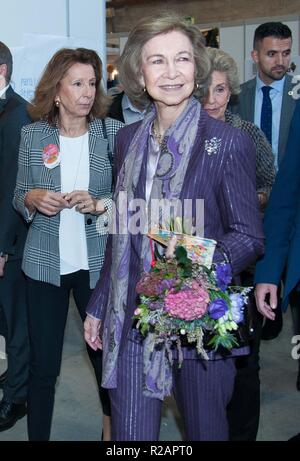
176	152
224	85
63	191
244	407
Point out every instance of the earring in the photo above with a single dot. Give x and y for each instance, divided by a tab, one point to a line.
197	86
144	89
57	103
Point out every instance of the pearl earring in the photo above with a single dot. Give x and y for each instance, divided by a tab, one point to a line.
57	103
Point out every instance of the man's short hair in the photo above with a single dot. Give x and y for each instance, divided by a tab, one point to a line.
6	58
271	29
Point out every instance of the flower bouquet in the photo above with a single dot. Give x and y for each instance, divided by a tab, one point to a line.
185	303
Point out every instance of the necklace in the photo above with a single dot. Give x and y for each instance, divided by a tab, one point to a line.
80	157
77	168
158	137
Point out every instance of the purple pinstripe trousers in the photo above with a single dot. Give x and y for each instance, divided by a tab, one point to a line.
202	390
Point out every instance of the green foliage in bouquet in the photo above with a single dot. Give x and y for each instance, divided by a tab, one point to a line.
185	303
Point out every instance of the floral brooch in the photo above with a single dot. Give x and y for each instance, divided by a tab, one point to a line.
212	145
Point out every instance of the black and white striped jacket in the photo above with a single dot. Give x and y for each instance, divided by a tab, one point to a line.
41	260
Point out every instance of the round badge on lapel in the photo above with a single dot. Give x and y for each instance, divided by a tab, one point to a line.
51	156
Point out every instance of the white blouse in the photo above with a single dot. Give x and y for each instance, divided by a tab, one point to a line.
75	175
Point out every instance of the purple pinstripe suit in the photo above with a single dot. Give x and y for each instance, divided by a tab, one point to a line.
226	182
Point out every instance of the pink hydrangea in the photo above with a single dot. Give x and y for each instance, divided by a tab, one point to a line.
187	304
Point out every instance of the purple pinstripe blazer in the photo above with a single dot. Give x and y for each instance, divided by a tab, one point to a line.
226	182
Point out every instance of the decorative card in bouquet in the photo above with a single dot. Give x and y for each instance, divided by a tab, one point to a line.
200	250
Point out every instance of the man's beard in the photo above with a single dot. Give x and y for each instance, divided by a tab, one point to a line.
277	75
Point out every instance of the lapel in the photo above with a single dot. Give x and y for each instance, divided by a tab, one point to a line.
197	151
2	105
51	136
5	98
140	191
97	148
287	110
250	99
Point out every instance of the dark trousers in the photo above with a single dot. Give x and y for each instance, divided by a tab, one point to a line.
295	309
202	390
13	306
243	410
48	308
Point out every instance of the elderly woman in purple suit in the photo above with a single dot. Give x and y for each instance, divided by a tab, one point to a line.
177	152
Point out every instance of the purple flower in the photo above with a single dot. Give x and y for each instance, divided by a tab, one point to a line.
165	284
155	305
237	307
223	275
217	308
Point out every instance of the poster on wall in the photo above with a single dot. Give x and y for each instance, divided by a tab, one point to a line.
31	58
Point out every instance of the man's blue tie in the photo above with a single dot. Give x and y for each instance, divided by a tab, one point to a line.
266	113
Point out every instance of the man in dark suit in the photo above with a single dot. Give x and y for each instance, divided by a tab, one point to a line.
271	52
13	306
282	231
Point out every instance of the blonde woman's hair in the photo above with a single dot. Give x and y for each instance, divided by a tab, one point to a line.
222	62
129	63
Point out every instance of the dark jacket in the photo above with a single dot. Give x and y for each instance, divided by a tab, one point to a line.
115	110
13	116
246	106
224	180
41	254
282	219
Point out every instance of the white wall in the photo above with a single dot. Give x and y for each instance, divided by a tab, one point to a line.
88	20
32	16
58	17
232	41
36	33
